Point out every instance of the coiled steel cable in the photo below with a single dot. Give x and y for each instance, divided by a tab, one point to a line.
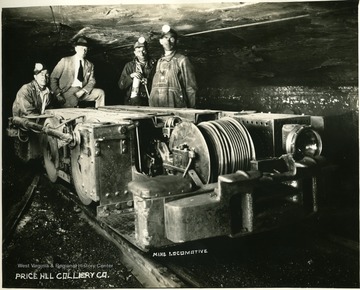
230	145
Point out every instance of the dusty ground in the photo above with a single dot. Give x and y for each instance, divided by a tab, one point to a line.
292	257
54	247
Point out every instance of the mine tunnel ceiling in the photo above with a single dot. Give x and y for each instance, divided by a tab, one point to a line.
257	40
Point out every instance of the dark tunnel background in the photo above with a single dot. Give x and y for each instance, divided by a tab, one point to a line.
305	65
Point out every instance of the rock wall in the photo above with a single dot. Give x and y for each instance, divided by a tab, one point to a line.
322	101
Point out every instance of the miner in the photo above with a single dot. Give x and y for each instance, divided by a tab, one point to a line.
174	83
33	98
136	77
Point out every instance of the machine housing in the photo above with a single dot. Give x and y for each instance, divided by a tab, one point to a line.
163	176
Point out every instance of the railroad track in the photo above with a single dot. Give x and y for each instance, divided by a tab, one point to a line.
248	262
168	273
150	273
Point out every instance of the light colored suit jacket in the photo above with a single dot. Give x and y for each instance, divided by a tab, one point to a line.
62	77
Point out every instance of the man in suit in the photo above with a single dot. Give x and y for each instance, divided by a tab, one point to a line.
33	98
73	78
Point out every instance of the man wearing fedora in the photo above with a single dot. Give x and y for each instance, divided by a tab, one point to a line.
174	84
73	78
136	77
33	98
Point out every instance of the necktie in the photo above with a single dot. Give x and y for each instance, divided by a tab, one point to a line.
80	75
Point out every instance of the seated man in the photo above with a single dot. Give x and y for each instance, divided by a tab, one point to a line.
33	98
73	78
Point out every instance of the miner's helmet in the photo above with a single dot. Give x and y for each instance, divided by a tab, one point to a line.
39	67
141	42
167	30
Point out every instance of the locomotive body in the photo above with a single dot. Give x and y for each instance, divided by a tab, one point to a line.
162	176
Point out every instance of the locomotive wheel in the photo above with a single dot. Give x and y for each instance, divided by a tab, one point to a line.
78	174
51	152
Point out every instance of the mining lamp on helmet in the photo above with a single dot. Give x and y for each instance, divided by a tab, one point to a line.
301	141
166	28
141	39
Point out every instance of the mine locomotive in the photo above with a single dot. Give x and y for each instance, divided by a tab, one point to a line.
163	176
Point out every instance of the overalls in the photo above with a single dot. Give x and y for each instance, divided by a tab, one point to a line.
166	89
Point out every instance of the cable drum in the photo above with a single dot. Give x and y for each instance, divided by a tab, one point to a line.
221	146
230	145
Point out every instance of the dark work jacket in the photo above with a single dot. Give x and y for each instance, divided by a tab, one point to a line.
174	84
125	82
28	101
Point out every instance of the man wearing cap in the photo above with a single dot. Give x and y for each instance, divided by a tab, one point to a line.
73	78
174	83
136	77
33	98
